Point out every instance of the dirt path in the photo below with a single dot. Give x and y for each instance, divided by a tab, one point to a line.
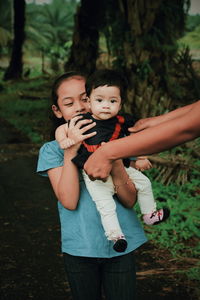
31	263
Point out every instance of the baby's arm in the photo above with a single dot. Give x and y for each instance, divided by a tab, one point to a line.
61	137
142	163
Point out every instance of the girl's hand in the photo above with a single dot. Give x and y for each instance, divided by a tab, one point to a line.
123	185
116	165
76	133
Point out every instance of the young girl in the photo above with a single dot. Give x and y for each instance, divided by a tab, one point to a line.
106	91
89	258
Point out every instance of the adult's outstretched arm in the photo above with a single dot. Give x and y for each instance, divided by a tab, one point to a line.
170	133
153	121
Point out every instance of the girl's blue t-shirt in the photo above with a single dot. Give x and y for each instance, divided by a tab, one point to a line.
82	233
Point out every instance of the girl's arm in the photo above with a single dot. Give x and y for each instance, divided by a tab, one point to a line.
124	187
65	180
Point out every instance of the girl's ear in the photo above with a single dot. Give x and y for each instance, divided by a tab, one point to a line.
56	111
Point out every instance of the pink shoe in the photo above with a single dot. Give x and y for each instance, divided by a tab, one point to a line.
156	217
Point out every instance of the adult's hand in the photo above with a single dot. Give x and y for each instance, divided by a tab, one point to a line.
98	166
144	124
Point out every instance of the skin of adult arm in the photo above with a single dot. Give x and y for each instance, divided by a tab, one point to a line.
153	121
65	180
164	136
126	190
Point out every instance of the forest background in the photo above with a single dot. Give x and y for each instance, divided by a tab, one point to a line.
156	43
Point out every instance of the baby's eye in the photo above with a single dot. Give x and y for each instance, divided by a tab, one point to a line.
113	100
99	100
68	104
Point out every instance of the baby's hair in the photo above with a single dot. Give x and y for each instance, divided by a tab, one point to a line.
109	78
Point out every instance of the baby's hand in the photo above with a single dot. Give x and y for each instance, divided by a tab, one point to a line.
66	143
143	164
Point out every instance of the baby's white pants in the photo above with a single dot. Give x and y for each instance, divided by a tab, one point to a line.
102	194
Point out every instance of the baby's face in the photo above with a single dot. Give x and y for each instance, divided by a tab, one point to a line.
105	102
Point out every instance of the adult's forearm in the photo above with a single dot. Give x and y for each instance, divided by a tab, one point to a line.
155	139
172	115
178	112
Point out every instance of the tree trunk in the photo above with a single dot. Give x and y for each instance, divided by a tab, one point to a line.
15	68
84	50
143	43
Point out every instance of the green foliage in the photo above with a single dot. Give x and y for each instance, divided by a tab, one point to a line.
194	273
6	14
192	22
48	27
180	233
191	36
5	26
51	25
191	39
27	115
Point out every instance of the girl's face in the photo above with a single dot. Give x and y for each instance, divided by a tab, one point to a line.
72	99
105	102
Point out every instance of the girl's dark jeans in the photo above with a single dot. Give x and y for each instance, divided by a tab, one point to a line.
87	276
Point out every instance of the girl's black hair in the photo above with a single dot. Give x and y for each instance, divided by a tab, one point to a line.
54	98
109	78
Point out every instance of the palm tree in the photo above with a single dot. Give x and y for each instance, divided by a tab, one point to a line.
52	25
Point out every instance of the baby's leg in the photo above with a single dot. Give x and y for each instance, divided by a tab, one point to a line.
102	194
146	199
145	195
